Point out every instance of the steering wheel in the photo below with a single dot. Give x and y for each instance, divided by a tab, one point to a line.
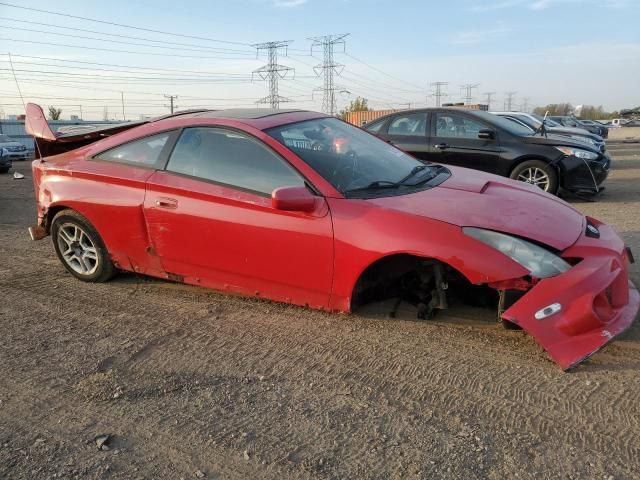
344	174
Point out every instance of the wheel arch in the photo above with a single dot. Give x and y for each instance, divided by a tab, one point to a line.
388	264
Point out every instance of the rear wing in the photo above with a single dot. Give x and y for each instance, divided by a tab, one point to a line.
48	142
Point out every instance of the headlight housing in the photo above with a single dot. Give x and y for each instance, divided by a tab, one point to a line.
540	262
577	152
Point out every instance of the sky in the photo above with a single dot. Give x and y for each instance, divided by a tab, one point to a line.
546	51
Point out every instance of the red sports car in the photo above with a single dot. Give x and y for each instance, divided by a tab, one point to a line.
299	207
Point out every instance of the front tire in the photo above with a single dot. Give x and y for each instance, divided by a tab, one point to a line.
538	173
80	248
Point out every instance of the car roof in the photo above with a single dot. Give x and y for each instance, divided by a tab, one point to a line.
261	118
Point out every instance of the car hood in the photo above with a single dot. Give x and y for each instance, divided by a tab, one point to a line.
573	131
475	199
559	140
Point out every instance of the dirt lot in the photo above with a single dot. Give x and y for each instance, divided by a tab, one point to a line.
193	383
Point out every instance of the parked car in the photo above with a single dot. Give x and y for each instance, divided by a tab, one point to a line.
16	150
575	123
299	207
5	160
482	141
534	122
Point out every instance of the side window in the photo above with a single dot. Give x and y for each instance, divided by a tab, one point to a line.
412	125
145	151
373	127
231	158
456	126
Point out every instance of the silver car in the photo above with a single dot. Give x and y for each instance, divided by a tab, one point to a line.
15	150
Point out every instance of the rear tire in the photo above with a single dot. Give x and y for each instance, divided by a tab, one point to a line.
538	173
80	248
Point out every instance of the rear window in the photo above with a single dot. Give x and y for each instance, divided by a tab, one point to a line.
143	152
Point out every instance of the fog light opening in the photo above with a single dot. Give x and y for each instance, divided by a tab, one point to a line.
548	311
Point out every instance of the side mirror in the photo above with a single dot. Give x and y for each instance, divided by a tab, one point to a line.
293	199
487	134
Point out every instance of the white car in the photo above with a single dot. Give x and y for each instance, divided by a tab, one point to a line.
15	150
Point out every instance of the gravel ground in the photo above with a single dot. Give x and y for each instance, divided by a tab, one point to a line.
193	384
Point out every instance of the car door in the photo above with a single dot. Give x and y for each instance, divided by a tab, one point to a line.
409	133
211	221
454	141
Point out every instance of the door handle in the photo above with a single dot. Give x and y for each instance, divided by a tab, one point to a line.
441	146
164	202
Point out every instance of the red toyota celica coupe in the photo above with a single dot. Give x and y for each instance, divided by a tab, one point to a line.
299	207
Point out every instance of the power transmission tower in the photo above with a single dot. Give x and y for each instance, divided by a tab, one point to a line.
272	71
328	68
172	106
508	100
525	104
439	93
488	96
105	113
469	88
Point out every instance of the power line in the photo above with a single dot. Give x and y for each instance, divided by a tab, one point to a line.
383	72
488	96
123	25
508	100
328	68
439	93
121	42
171	106
122	66
468	87
272	71
120	51
109	34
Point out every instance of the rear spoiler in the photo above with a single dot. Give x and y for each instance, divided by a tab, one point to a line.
50	143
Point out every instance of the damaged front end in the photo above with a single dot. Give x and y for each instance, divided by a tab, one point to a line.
574	314
579	300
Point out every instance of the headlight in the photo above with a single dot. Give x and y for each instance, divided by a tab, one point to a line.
540	262
577	152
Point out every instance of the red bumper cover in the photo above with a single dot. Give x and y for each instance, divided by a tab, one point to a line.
596	298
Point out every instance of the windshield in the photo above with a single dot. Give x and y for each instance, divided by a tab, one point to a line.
352	159
548	122
504	123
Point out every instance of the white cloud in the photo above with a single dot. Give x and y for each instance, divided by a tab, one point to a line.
472	37
289	3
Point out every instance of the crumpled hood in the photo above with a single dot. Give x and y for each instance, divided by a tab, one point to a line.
476	199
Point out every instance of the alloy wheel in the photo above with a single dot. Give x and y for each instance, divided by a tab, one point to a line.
77	249
535	176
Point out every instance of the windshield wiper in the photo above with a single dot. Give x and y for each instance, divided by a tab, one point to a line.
414	170
375	185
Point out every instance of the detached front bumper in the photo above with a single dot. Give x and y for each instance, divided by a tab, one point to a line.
593	302
585	177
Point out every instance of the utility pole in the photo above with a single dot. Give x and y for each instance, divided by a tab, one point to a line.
469	88
272	71
171	105
105	113
328	68
122	98
439	93
488	96
508	100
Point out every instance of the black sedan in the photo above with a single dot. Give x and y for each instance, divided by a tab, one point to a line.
5	160
588	125
482	141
